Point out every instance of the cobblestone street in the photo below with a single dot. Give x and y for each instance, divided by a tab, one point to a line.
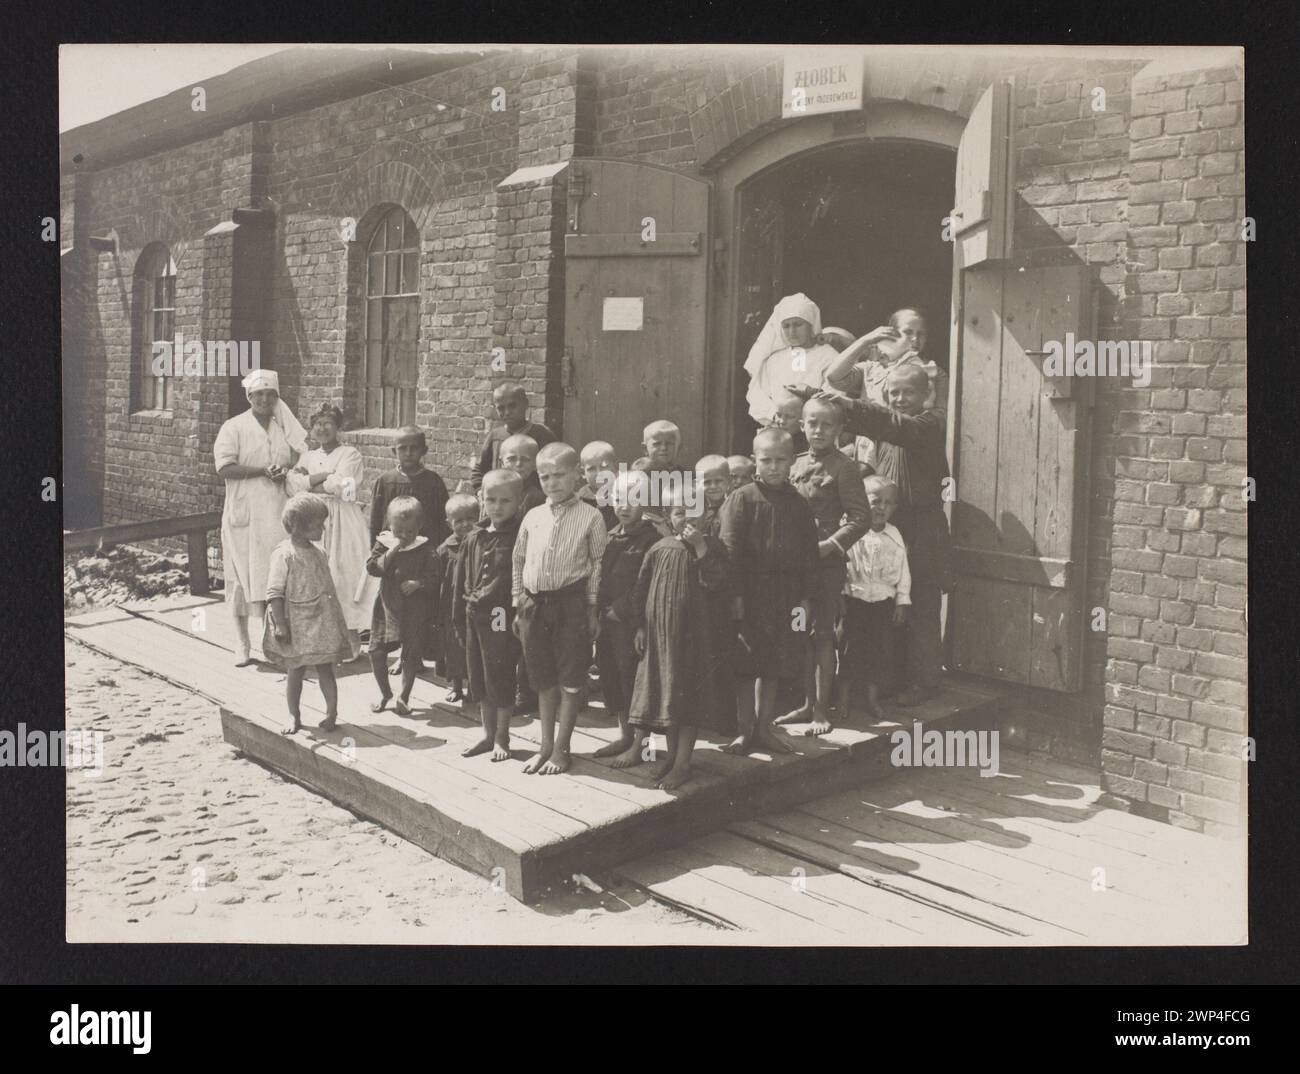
180	839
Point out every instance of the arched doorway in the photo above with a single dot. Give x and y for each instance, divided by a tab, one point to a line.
847	209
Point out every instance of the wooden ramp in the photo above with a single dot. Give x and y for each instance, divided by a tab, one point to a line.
526	832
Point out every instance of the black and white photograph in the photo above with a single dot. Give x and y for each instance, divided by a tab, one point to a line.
752	495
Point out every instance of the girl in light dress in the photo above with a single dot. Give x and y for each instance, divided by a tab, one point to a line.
304	623
334	472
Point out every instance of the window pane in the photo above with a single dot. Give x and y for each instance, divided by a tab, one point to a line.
169	291
374	364
393	274
410	273
407	407
375	275
375	319
402	316
395	229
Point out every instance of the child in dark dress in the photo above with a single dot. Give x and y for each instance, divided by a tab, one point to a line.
713	476
402	558
670	612
462	513
483	612
616	655
770	534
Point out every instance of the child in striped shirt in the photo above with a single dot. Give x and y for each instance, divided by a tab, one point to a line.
557	558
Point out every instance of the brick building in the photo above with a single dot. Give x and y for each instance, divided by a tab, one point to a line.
398	230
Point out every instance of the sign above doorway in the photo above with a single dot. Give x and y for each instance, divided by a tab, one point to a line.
821	80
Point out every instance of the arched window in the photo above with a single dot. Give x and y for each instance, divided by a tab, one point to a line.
392	331
155	326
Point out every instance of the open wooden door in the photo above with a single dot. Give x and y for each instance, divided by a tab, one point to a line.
1021	450
1018	441
635	315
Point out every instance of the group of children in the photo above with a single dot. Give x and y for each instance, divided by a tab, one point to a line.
698	591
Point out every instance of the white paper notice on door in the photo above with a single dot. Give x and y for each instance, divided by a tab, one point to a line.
622	314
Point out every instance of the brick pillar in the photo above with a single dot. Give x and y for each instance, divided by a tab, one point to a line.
1176	679
84	366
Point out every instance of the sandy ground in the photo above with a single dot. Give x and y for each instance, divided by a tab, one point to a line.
182	840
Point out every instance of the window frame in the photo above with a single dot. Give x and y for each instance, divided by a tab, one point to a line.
156	269
391	305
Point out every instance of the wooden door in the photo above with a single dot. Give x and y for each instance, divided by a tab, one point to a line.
984	202
637	235
1020	467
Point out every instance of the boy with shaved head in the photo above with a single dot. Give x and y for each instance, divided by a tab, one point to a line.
829	480
484	609
556	586
510	402
911	453
770	535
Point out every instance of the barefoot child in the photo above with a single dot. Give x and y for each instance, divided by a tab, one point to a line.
462	513
519	453
616	654
742	470
673	635
877	591
510	402
402	558
484	614
305	626
770	535
556	583
598	463
911	452
713	475
829	480
409	479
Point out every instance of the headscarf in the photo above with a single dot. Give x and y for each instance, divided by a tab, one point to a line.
269	379
770	340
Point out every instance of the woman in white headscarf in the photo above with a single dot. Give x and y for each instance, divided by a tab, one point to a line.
254	452
786	353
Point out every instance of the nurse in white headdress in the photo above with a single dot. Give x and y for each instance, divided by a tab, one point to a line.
786	353
254	452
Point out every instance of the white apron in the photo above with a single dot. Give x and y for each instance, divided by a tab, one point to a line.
346	541
250	517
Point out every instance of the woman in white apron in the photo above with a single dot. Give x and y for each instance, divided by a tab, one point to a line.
334	472
253	452
786	352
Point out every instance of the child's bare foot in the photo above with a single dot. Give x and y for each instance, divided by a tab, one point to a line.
455	695
329	723
616	748
396	669
876	713
245	662
766	738
741	744
500	751
661	772
819	726
538	760
381	704
482	746
557	763
803	714
297	726
401	707
676	776
628	758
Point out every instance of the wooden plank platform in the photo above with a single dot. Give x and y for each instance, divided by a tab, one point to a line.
529	832
946	857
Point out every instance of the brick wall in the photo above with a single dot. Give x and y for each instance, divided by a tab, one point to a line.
1176	690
